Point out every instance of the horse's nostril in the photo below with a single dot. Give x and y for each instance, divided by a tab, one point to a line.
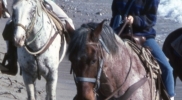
19	41
23	37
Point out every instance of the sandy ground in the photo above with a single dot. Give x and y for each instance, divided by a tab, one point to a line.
81	11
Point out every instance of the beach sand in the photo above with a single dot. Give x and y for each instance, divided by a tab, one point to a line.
81	11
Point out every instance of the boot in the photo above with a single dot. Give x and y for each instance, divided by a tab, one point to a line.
10	60
172	98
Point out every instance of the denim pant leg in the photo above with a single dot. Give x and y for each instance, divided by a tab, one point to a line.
167	70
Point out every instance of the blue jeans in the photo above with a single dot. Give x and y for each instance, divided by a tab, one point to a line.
167	70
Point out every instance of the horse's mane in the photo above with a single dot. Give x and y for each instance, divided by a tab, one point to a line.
79	39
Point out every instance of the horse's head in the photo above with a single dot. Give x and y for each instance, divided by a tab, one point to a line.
24	13
86	55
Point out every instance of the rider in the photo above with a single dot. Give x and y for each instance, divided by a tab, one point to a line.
142	16
11	55
6	12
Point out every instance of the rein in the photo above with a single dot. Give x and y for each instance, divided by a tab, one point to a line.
122	28
44	48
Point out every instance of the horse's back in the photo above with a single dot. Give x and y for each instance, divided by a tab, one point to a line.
169	39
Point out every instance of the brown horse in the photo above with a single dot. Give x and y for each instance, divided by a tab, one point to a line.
174	59
1	8
101	63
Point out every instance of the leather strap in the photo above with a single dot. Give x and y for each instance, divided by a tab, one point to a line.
132	89
50	42
43	49
21	26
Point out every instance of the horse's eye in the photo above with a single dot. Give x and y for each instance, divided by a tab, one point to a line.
93	61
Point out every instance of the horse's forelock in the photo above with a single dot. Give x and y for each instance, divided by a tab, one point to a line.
79	39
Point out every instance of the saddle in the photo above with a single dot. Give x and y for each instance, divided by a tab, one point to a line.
152	67
136	39
128	34
61	25
48	6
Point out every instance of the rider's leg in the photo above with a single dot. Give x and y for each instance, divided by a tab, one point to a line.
60	13
10	59
6	12
167	70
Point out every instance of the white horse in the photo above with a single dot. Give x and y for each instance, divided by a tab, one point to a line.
34	31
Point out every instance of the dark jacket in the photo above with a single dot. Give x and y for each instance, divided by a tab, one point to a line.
144	13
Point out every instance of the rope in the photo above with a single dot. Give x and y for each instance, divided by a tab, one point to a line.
55	19
149	62
59	26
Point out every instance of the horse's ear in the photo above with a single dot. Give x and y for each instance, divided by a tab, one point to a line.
98	29
69	28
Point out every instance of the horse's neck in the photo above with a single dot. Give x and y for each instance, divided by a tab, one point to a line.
43	30
124	67
116	66
123	51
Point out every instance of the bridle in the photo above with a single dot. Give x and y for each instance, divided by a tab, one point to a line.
95	80
29	29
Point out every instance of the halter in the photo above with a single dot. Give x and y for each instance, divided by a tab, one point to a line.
101	61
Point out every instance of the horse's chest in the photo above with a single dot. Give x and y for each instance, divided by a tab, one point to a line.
32	63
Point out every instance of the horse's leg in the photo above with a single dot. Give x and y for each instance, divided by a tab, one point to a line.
30	85
51	85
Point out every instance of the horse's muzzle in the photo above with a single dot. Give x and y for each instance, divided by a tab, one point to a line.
19	42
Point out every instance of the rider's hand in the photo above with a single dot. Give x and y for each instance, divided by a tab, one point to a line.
130	18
